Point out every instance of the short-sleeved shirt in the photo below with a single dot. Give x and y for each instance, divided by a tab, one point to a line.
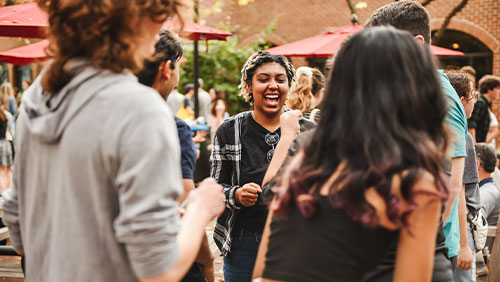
452	231
480	118
455	118
188	149
254	163
457	122
471	179
490	200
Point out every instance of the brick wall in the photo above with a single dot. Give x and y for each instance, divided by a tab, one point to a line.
297	19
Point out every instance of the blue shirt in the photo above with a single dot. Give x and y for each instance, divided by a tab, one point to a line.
456	121
188	149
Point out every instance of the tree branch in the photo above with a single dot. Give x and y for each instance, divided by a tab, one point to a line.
426	2
354	15
437	36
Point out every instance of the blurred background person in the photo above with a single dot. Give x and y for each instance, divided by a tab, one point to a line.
479	122
307	92
8	98
492	131
490	192
175	100
7	133
218	112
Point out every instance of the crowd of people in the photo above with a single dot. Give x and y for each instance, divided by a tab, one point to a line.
380	170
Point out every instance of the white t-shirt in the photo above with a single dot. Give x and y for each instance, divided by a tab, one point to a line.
493	123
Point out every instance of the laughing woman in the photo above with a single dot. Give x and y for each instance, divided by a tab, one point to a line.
243	147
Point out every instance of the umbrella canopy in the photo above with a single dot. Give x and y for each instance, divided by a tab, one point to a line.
194	31
28	20
26	54
325	45
319	46
24	20
443	52
197	32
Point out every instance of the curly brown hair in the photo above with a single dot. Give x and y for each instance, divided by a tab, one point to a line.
103	32
304	88
253	63
462	82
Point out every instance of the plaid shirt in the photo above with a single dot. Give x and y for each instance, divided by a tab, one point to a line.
480	119
225	162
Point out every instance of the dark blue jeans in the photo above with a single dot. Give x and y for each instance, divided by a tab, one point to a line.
238	267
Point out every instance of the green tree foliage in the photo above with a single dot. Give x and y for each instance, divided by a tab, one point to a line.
220	66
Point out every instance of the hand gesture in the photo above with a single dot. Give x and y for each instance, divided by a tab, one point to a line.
289	123
200	136
248	194
208	197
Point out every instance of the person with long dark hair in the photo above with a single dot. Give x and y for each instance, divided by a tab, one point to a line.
362	180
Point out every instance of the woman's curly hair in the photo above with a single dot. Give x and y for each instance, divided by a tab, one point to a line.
306	85
100	31
253	63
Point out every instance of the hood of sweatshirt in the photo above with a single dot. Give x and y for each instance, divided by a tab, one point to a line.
47	115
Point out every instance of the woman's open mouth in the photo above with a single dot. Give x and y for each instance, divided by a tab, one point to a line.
272	100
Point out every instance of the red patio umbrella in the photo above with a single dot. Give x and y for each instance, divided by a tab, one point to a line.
319	46
194	31
23	20
197	32
443	52
326	44
28	20
26	54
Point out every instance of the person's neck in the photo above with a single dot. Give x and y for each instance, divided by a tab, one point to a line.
269	122
487	97
483	174
315	102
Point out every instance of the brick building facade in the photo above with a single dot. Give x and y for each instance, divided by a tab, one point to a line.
297	19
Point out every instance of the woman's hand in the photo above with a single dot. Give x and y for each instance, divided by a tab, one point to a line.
248	194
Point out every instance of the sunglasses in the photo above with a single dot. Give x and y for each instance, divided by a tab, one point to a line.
271	138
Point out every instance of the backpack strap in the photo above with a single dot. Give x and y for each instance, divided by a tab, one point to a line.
313	114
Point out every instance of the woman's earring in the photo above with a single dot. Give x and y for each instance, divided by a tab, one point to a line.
251	97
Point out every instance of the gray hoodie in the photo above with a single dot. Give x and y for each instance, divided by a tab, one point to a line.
96	176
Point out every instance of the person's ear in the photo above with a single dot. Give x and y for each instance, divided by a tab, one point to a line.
420	38
166	70
478	164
